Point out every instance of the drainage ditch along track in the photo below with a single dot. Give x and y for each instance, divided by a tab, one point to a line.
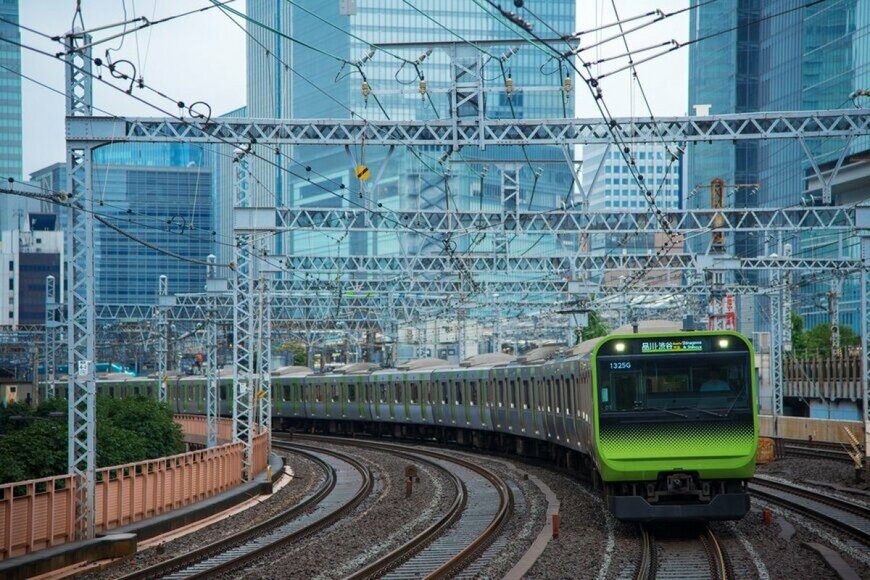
852	518
682	558
347	482
455	539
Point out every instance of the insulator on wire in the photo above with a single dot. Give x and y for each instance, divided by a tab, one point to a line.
366	90
422	87
509	85
568	85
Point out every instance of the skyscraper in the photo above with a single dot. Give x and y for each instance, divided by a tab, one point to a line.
11	210
159	194
781	57
330	54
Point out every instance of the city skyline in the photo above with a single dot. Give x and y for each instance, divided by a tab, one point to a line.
207	62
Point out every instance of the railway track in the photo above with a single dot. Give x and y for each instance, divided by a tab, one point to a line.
849	517
347	482
682	558
815	450
455	539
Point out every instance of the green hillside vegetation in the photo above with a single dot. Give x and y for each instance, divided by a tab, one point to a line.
33	442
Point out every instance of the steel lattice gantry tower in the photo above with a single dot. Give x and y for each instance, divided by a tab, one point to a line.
452	134
80	287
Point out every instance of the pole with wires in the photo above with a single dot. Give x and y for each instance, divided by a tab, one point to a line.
162	329
81	316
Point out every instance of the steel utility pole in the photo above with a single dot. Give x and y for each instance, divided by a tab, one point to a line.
81	317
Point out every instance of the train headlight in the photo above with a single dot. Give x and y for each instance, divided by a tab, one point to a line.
723	343
619	346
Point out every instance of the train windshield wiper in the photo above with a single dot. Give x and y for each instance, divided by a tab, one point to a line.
663	410
714	413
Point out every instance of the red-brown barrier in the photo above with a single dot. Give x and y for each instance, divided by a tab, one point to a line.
39	513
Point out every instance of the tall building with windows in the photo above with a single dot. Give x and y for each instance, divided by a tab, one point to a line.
161	195
11	210
783	56
611	188
311	78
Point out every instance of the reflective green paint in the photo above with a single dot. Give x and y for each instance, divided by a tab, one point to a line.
640	453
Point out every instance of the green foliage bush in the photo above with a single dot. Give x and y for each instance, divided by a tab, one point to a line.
128	430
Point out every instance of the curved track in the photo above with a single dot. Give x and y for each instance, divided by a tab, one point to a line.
816	450
852	518
457	538
347	483
683	558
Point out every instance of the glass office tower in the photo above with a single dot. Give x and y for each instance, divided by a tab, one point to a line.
806	59
10	114
321	86
160	194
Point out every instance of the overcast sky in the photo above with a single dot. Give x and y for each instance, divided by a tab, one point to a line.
202	57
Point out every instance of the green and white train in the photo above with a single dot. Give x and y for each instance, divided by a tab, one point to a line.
664	423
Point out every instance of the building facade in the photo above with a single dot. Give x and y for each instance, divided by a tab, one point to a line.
161	197
12	210
289	79
779	57
28	255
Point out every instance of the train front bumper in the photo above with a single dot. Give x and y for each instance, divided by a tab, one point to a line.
726	506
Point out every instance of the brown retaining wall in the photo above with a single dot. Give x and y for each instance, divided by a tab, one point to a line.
39	513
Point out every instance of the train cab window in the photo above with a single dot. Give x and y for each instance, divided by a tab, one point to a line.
527	394
398	392
472	392
458	392
414	391
445	393
351	393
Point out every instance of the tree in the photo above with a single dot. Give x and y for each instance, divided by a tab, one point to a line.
798	336
818	339
298	351
128	430
596	327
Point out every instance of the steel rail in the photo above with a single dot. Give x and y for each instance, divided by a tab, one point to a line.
681	558
417	545
848	517
234	541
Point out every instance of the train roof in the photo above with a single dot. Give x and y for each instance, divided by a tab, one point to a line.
292	371
423	364
490	359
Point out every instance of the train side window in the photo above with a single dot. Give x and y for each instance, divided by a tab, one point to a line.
222	388
499	395
571	386
351	393
414	391
398	392
382	389
333	392
512	393
472	392
445	393
318	393
527	394
560	399
458	392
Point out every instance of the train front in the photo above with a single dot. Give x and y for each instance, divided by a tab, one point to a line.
676	424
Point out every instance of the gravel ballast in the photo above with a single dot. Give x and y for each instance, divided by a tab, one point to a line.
306	477
384	521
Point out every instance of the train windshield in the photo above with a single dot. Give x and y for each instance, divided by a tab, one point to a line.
675	386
